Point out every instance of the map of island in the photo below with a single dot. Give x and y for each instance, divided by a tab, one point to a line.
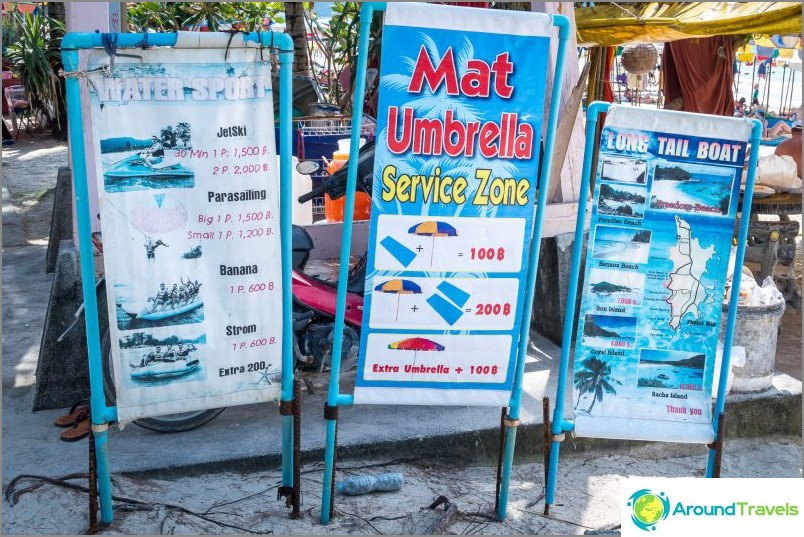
689	265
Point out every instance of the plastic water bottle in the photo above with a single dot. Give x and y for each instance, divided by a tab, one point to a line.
363	484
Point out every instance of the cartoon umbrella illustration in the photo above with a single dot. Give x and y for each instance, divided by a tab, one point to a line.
416	344
433	228
399	287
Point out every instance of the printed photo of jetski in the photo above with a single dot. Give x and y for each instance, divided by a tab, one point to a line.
138	172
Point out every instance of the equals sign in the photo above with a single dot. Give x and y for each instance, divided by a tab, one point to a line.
460	254
468	310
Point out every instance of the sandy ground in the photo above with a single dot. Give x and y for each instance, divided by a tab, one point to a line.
587	495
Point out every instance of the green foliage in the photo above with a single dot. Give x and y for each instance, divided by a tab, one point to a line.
35	55
338	41
174	16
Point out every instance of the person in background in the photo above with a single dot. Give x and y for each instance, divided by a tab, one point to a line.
755	109
761	70
792	147
739	107
755	94
778	129
7	138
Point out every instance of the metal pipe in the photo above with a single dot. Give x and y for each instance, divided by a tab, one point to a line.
285	225
97	397
366	14
559	424
742	238
563	25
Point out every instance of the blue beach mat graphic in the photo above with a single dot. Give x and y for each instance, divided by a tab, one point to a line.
447	311
449	308
400	252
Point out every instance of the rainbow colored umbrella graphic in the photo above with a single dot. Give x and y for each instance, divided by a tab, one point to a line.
399	287
433	228
416	344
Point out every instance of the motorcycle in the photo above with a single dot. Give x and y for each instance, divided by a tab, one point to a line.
314	299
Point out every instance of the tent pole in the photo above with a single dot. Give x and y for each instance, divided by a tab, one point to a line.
753	74
781	98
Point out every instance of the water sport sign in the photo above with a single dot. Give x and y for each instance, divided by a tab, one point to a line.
190	219
460	118
665	204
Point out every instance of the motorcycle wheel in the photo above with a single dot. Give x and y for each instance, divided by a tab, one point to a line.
170	423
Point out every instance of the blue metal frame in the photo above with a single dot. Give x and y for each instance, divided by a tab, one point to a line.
559	424
102	414
334	398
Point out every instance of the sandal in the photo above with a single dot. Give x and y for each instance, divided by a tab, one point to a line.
74	415
78	431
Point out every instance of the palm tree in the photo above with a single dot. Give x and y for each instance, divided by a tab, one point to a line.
295	26
594	378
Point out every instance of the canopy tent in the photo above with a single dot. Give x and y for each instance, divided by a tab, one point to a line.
656	22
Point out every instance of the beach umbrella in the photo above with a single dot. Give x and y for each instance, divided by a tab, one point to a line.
399	287
433	228
416	344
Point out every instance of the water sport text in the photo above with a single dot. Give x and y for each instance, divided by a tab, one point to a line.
177	89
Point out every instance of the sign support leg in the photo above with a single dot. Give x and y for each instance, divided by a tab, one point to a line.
562	23
285	215
92	485
334	398
734	299
500	458
716	447
295	498
558	425
101	415
546	436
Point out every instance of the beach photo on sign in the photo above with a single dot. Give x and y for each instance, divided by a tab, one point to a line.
147	160
595	381
619	287
147	360
622	200
167	303
691	188
621	244
626	170
610	331
673	370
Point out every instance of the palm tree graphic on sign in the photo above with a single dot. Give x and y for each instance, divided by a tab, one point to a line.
595	378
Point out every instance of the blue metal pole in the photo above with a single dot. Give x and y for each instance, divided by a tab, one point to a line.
285	225
100	413
559	424
366	14
734	299
563	25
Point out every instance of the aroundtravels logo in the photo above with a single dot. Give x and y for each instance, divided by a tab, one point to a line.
648	508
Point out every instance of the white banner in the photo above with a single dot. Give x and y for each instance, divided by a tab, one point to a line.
189	196
660	235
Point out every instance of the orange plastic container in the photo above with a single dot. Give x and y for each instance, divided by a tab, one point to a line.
334	209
